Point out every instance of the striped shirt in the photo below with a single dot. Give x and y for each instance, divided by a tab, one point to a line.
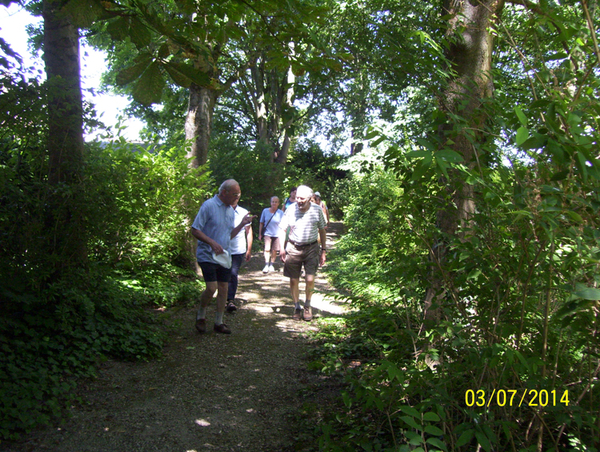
304	226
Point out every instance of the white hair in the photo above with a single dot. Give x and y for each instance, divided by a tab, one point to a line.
305	189
227	185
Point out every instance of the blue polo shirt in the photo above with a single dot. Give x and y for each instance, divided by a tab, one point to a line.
215	219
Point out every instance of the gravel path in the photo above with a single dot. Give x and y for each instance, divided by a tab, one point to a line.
238	392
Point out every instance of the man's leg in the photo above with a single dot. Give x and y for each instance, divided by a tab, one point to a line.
310	286
205	299
268	252
295	291
311	265
220	327
222	296
236	263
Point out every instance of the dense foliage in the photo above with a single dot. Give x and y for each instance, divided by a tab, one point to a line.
518	315
472	248
56	320
510	358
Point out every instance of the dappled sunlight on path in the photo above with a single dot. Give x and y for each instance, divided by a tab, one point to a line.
270	294
238	392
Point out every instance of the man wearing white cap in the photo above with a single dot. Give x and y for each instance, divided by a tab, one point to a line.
305	223
214	228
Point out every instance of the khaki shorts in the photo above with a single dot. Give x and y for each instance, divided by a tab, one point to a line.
271	243
296	257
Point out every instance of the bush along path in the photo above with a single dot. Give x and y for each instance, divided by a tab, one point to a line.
247	391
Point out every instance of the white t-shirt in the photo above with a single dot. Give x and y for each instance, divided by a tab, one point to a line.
238	244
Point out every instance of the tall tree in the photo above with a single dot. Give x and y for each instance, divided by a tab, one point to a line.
469	86
198	46
65	123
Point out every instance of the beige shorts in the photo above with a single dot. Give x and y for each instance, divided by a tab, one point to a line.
271	243
296	257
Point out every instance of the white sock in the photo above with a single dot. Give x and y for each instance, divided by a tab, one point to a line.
201	314
218	318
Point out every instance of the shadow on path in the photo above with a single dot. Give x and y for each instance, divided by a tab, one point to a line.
238	392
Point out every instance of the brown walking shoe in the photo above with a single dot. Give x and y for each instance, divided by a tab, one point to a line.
201	325
297	314
307	314
222	328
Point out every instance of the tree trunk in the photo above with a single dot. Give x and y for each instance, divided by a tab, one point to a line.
286	106
65	123
470	57
66	240
198	123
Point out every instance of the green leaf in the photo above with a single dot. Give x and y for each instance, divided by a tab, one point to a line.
522	135
149	87
437	443
414	439
536	141
574	216
132	73
117	28
83	13
449	155
433	430
464	438
483	441
410	411
556	150
185	74
521	116
418	154
421	168
427	144
411	421
430	416
588	293
135	30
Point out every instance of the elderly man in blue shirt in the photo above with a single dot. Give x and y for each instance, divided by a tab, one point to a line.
214	228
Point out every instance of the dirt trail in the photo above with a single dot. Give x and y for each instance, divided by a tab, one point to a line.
238	392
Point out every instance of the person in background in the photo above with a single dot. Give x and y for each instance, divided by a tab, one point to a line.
240	249
269	228
214	228
305	223
319	202
290	199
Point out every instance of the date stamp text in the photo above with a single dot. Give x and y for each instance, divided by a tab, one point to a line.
514	397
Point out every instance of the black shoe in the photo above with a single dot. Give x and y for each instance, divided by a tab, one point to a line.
201	325
231	307
222	328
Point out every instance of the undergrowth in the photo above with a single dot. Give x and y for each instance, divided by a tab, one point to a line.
62	311
511	361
